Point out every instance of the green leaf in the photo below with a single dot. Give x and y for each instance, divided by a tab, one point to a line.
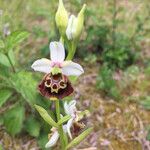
4	60
42	140
16	38
4	95
44	114
81	137
2	45
11	56
13	119
32	126
5	71
64	119
24	84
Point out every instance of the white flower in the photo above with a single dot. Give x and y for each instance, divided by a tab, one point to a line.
70	109
57	55
54	137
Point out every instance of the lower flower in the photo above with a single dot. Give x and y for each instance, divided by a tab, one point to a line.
54	136
74	124
76	128
55	86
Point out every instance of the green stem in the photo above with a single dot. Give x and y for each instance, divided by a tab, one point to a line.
72	50
60	128
12	66
62	40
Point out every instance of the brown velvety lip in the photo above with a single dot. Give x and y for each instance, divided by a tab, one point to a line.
56	81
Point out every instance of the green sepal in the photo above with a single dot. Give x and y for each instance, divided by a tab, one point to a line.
55	70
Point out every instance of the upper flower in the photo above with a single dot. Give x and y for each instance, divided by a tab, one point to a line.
57	64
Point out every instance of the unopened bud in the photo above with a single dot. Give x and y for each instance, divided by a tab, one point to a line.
80	21
61	18
71	28
75	25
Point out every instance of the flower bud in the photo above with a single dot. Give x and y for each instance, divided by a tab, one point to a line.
61	18
71	28
75	25
80	21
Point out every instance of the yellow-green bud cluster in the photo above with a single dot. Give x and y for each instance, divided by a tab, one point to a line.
70	27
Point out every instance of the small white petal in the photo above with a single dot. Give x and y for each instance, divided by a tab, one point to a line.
71	68
57	52
72	104
70	108
66	108
42	65
53	140
69	124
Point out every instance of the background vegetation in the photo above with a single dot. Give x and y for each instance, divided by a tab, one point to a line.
114	50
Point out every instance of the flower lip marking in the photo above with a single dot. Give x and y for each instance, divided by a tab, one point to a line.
55	86
56	77
48	83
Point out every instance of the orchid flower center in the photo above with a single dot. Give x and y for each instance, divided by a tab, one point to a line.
55	82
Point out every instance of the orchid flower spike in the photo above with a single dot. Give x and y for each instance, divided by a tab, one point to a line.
70	109
54	136
57	64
